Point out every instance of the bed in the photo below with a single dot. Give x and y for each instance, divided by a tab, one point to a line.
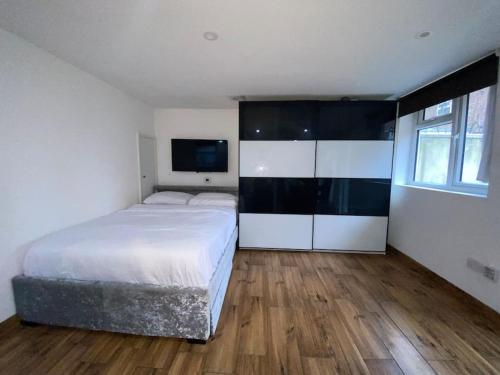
154	270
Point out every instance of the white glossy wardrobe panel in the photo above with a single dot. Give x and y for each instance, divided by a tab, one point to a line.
350	233
275	231
277	158
354	159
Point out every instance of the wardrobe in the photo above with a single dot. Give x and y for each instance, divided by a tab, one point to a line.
315	175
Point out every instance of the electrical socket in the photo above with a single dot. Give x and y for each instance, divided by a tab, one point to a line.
490	273
475	265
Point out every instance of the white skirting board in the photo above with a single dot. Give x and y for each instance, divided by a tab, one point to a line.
350	233
276	231
277	158
354	159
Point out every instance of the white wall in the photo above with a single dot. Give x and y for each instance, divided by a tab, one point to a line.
68	150
198	124
441	230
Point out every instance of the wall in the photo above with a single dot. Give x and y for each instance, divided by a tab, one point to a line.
441	230
68	148
199	124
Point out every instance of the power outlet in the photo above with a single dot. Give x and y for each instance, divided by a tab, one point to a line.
475	265
207	180
490	273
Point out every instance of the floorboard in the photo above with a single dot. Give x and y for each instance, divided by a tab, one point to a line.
292	313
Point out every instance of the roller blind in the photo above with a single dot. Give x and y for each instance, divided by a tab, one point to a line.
482	73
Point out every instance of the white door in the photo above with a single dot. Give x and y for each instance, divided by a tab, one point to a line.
147	160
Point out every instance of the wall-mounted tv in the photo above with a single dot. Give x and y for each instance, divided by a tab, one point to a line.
199	155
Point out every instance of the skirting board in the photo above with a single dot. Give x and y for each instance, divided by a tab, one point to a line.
316	250
465	296
349	251
275	249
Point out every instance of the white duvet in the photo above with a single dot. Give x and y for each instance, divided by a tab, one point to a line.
151	244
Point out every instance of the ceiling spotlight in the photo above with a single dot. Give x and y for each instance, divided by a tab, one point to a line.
210	35
422	34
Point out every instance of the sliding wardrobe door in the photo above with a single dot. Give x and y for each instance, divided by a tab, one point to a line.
354	159
315	174
276	213
356	120
282	120
277	166
277	158
351	214
271	231
350	233
353	170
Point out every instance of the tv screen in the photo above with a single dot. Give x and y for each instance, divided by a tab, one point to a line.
199	155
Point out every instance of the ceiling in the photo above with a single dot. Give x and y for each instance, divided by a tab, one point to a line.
155	50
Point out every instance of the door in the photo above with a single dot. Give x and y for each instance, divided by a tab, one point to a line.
147	165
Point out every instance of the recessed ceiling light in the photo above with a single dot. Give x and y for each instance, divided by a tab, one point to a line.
210	35
422	34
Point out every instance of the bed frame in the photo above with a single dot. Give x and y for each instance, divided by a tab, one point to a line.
198	189
140	309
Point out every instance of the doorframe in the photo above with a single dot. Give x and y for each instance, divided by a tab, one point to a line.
139	174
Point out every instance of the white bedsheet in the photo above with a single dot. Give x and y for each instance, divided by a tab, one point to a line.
151	244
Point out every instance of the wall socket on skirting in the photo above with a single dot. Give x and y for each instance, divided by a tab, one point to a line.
491	273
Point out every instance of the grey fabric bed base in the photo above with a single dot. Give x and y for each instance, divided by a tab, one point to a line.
139	309
113	306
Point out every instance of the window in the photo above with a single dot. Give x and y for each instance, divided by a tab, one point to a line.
473	140
448	144
433	154
438	110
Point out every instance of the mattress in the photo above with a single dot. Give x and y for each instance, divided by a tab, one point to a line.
220	280
168	245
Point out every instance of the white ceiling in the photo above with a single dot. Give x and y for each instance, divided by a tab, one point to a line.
154	49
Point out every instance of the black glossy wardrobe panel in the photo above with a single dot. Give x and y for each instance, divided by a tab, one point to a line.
353	196
278	120
356	120
277	195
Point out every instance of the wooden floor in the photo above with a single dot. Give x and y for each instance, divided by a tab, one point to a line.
293	313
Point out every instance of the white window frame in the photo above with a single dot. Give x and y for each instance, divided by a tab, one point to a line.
458	120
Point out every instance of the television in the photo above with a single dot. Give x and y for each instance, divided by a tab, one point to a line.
199	155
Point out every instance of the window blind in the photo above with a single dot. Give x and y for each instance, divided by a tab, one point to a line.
482	73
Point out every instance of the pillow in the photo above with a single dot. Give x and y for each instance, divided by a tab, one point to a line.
214	199
168	197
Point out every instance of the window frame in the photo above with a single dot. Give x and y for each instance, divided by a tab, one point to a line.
437	119
458	120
